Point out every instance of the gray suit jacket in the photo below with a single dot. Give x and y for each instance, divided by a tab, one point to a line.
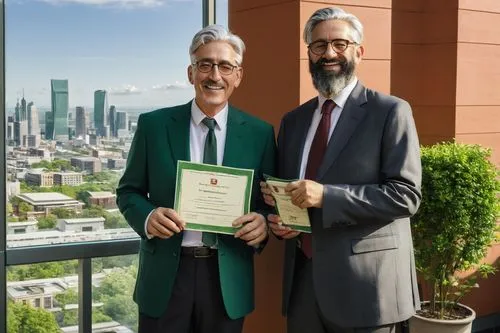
363	263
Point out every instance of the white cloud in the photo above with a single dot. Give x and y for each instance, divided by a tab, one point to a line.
172	86
111	3
126	89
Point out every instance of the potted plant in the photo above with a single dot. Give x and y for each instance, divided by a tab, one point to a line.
452	231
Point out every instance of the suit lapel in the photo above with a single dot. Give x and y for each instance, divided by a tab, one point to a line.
351	117
178	132
234	138
299	134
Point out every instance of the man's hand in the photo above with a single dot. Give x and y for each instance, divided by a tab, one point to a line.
164	222
253	228
266	193
280	230
305	193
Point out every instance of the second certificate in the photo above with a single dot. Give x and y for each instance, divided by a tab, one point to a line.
211	197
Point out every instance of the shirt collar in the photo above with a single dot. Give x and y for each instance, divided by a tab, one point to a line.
342	97
197	115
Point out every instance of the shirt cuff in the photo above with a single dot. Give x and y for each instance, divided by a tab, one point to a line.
148	236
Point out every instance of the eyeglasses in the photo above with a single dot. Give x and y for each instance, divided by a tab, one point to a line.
207	67
321	46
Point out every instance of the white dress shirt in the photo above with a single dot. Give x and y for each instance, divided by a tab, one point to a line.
197	134
340	101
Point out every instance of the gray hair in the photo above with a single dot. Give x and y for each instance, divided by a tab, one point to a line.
213	33
333	13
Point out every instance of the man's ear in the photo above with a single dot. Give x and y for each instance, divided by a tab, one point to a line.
239	77
190	74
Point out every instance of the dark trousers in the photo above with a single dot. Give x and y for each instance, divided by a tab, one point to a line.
196	304
304	314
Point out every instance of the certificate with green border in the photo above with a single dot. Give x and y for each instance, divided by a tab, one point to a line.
210	197
292	216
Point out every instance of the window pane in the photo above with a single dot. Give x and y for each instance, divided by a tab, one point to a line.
113	285
78	74
42	297
221	12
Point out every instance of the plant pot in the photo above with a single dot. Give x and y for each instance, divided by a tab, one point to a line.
419	324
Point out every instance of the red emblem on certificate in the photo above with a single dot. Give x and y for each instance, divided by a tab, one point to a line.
213	181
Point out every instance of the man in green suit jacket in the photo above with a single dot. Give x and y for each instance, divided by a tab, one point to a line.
184	283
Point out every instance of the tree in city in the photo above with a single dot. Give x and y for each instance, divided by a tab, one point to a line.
115	291
93	211
114	220
23	210
26	319
42	270
56	165
63	213
47	222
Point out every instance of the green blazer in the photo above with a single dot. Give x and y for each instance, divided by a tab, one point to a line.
161	139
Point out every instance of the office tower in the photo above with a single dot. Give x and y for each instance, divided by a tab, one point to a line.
81	122
17	113
100	112
21	123
10	128
121	124
112	120
49	125
20	132
24	114
33	122
59	99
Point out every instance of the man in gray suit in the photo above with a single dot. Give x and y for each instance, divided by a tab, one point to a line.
356	154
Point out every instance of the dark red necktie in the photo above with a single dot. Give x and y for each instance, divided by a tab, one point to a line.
316	154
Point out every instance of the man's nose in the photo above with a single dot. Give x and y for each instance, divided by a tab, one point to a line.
330	52
215	74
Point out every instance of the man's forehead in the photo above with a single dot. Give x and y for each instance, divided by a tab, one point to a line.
216	51
331	27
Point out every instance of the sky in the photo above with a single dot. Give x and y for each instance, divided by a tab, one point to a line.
137	50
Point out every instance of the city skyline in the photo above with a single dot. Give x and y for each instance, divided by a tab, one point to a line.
136	50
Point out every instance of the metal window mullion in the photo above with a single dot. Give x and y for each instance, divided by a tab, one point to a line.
3	181
208	12
85	295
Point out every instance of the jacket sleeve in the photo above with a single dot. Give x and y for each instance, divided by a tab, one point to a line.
398	194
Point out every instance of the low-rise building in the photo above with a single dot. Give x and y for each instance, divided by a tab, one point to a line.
107	200
81	224
40	178
68	178
89	165
116	163
44	202
15	228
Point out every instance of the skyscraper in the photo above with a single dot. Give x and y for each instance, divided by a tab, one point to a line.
100	112
49	125
24	114
112	120
17	114
59	96
21	123
81	122
121	124
33	122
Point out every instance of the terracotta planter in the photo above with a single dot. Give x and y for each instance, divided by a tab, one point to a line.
419	324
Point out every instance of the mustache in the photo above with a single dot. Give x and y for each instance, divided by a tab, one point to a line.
209	82
323	61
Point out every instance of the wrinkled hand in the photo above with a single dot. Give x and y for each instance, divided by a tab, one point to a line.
253	228
164	223
306	193
266	193
280	230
